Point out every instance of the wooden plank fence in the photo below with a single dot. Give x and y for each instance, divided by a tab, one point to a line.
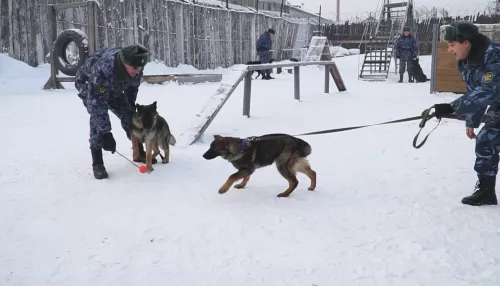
176	33
349	34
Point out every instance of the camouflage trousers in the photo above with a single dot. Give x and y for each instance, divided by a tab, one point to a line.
264	58
405	63
487	148
120	106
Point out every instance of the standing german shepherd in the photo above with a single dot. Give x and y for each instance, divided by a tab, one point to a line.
288	152
150	128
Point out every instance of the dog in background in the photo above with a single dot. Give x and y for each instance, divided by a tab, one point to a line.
418	73
149	128
259	73
288	152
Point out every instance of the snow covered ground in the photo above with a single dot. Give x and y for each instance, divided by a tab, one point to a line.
383	212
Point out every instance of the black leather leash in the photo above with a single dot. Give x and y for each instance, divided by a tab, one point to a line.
425	117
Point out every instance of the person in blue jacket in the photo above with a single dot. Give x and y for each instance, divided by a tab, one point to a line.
264	45
109	80
406	49
479	63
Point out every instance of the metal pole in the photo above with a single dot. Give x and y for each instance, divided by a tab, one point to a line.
435	39
257	6
319	21
227	4
296	82
338	11
281	13
327	79
247	91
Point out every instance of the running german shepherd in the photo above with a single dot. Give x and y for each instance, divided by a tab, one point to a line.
150	128
288	152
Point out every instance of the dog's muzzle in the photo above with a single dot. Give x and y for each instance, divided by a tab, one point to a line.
209	155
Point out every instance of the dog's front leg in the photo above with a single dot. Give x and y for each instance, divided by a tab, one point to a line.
233	178
149	156
135	148
243	183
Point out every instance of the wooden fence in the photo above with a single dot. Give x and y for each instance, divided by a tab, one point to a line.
448	79
349	34
175	33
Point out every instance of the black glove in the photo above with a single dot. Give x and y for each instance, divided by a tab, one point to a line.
108	142
442	109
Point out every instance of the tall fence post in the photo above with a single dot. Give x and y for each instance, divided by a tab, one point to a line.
247	91
435	40
296	82
327	78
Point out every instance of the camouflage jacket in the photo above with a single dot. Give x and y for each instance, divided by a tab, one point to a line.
481	74
98	85
264	43
406	47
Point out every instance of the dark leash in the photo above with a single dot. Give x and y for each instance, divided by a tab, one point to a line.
424	118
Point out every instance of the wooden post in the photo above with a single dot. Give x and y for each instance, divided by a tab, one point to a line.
257	6
435	39
247	91
296	82
91	10
281	13
227	4
327	79
52	82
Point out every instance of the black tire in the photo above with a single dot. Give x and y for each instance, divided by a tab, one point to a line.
60	58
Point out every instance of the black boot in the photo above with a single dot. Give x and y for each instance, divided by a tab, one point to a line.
410	78
269	76
98	164
400	77
484	193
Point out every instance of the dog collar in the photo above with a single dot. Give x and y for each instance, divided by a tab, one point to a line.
243	143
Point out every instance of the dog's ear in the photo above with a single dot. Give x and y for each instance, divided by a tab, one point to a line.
217	137
153	106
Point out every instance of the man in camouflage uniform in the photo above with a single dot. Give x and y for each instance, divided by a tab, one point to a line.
109	80
264	45
479	63
406	49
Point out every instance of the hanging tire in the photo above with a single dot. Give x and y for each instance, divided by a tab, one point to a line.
60	53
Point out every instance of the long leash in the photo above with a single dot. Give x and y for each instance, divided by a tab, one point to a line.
425	117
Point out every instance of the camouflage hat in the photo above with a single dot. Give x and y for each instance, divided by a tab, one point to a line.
460	31
134	55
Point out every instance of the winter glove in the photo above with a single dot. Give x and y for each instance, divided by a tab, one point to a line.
108	142
442	109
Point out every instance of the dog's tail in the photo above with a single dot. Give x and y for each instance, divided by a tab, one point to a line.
304	149
170	139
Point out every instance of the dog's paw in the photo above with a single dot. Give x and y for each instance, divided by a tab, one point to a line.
222	190
239	186
283	195
150	169
164	161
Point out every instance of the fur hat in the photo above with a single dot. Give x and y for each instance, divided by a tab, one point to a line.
134	55
460	31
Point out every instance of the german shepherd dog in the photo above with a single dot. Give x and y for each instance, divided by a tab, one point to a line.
259	73
149	128
418	73
288	152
